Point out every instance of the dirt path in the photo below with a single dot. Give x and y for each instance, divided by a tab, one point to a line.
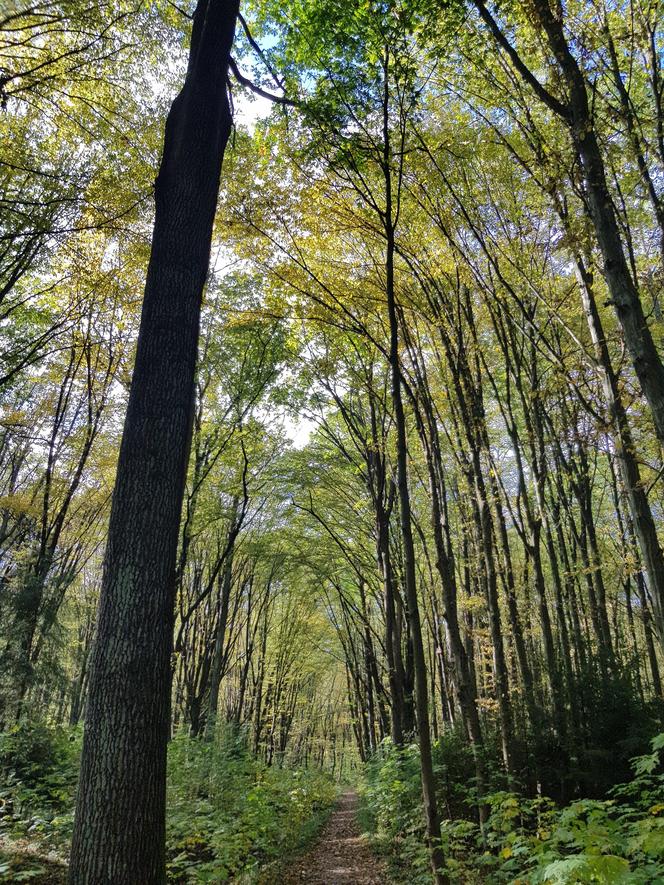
340	856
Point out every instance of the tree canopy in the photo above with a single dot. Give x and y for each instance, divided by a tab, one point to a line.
340	461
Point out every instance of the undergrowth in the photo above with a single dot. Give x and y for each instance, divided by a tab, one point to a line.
618	840
227	815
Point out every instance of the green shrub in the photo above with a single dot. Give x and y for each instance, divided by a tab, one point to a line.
33	752
38	775
612	841
619	725
390	797
228	813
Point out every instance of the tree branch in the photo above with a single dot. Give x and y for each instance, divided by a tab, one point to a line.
549	100
245	81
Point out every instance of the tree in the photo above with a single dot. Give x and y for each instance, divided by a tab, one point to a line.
128	715
575	110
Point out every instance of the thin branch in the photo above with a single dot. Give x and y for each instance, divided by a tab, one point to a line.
245	81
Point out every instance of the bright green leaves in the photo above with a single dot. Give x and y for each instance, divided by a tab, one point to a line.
603	870
340	53
588	842
229	814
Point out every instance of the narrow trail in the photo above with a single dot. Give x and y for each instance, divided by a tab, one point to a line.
340	856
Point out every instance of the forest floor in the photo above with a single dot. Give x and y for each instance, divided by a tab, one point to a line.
22	860
340	855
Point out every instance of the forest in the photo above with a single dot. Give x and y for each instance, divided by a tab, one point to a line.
332	442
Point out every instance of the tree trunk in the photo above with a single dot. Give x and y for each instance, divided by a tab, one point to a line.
410	578
119	830
642	518
216	671
444	561
624	294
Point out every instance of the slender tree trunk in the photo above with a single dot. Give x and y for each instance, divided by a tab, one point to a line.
216	671
459	666
577	115
410	578
392	645
624	294
368	667
642	518
260	679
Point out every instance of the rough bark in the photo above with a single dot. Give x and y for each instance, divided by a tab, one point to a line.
120	815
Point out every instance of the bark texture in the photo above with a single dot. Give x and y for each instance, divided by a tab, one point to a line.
120	814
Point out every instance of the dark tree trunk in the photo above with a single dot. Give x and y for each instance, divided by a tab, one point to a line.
444	561
624	293
120	815
392	646
218	657
578	116
410	579
642	519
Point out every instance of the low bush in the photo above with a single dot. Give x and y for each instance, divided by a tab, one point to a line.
615	841
38	775
227	814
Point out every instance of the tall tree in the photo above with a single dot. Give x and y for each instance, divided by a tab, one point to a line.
120	815
575	109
